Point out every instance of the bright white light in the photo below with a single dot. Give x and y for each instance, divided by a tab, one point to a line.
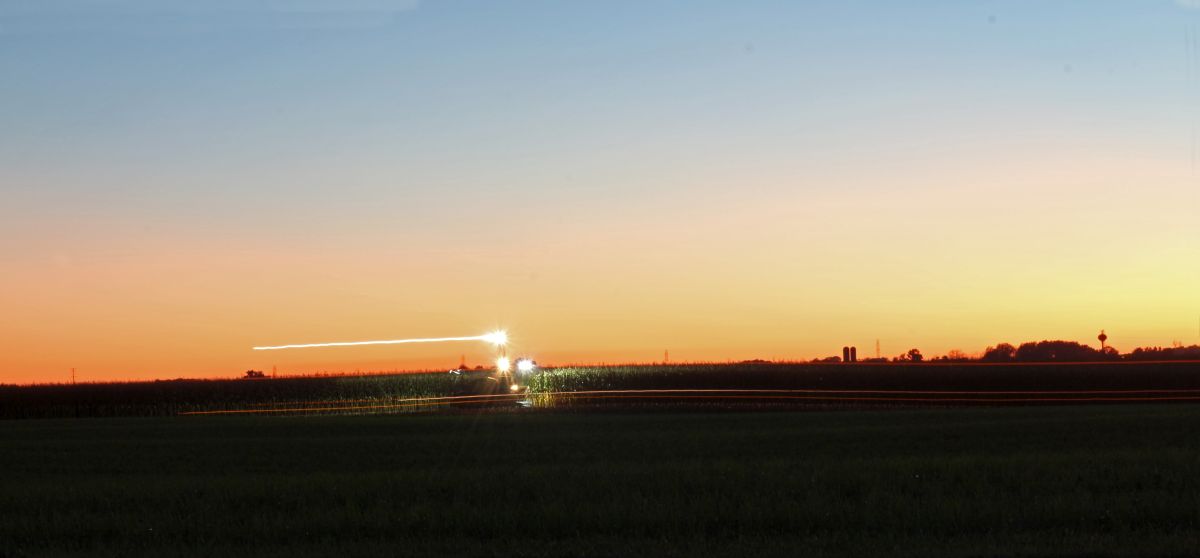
503	365
525	365
498	337
514	387
495	337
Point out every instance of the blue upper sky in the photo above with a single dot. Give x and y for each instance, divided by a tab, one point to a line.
192	86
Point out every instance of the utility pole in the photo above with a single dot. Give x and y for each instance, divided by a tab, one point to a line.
666	356
877	348
72	376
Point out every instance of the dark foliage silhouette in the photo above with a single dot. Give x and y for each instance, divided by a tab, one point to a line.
1062	351
1165	353
1003	352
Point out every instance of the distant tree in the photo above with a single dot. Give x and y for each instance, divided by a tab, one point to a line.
254	374
913	355
955	355
1166	353
1003	352
1057	351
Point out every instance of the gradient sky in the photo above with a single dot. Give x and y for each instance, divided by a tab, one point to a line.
182	180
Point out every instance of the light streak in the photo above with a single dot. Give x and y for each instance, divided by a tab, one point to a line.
498	337
1125	392
812	395
495	338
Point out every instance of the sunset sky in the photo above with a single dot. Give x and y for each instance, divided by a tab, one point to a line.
180	181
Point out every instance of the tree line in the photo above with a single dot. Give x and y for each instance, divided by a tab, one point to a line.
1043	351
1071	351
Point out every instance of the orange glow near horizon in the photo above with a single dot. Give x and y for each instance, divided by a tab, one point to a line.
731	282
794	277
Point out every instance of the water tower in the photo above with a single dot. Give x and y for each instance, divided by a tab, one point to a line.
1102	337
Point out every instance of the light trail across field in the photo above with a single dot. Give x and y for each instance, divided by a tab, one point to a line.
495	338
765	395
765	392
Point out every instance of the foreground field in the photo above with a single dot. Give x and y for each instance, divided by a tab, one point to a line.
1042	481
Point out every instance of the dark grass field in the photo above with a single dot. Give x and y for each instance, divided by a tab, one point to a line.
1013	481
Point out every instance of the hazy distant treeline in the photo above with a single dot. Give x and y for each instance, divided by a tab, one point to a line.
1071	351
1050	351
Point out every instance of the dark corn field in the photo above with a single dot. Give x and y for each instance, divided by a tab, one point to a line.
747	386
